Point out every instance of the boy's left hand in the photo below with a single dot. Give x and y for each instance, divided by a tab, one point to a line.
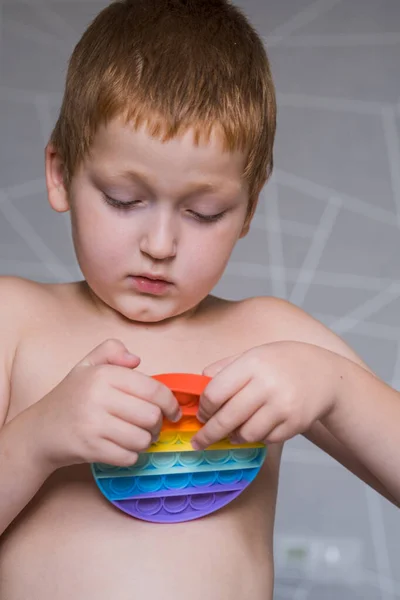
268	394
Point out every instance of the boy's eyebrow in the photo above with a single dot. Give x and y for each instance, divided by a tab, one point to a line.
192	190
131	175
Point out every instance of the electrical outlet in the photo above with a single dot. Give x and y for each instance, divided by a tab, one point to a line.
319	559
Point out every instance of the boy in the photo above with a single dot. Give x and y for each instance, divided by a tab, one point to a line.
162	146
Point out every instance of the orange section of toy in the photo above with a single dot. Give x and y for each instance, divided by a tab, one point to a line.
185	383
187	388
187	423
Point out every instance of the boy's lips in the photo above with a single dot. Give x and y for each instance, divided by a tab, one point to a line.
150	284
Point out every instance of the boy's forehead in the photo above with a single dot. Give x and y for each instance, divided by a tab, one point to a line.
118	146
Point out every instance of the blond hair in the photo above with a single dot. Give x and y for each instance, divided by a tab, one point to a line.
171	65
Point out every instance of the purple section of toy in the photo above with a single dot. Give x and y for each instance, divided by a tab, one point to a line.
176	509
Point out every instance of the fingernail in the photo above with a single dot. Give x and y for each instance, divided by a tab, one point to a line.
234	439
178	416
195	445
200	417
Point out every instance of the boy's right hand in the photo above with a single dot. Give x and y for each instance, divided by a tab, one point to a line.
103	411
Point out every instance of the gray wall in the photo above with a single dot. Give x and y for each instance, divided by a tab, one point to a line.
326	235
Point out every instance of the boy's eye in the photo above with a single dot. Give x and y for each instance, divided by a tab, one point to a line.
120	203
126	205
206	218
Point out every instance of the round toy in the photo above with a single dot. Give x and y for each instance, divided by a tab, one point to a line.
172	483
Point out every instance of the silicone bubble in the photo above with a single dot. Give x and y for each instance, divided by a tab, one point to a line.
172	483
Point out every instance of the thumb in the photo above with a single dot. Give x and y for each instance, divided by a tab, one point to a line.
111	352
213	369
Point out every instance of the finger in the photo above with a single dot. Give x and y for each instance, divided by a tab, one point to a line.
221	388
230	417
112	454
137	412
112	352
281	433
142	386
213	369
258	426
127	436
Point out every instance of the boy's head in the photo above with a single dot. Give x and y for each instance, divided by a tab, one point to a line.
171	72
171	65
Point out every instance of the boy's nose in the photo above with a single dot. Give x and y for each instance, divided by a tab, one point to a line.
159	240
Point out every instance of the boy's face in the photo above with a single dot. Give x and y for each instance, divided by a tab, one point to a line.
153	223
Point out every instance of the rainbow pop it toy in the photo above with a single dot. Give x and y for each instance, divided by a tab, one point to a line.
172	483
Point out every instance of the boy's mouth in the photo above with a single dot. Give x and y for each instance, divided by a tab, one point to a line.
150	284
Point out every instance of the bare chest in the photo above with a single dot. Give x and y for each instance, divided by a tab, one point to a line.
48	353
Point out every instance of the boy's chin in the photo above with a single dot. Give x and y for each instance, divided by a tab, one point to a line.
151	312
163	315
144	309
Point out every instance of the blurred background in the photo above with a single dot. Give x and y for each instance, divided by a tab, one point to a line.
326	235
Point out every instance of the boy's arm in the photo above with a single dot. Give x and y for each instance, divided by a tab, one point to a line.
363	434
22	470
21	474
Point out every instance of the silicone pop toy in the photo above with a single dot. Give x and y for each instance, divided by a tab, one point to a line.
172	483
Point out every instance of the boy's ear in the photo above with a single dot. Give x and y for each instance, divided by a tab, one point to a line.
56	190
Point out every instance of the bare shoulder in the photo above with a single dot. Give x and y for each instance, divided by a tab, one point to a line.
21	300
16	295
267	319
23	297
23	304
13	288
